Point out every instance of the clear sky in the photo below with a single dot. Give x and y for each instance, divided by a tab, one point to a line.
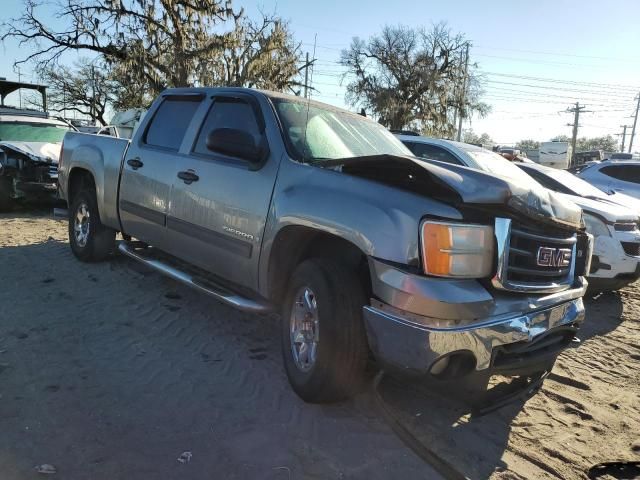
538	57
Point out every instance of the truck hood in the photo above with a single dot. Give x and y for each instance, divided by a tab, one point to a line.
458	185
608	210
36	151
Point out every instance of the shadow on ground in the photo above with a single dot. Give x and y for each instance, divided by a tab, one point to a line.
112	371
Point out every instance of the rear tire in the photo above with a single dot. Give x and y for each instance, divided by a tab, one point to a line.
6	189
90	240
322	309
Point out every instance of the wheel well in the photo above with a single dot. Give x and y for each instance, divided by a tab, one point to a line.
295	244
78	179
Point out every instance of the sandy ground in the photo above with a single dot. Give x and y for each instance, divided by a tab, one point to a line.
110	371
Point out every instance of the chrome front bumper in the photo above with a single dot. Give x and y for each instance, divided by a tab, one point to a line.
404	342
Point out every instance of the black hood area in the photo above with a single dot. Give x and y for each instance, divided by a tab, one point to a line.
460	186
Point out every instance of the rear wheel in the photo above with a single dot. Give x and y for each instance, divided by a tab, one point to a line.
90	240
324	344
6	189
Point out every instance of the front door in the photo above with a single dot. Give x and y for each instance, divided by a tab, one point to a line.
219	203
149	169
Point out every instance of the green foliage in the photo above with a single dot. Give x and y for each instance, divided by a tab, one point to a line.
528	144
469	136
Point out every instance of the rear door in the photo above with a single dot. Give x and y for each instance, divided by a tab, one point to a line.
150	167
217	221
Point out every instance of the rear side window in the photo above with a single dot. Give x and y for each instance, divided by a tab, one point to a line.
627	173
431	152
170	122
227	113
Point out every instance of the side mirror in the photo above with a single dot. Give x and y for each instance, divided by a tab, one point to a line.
235	143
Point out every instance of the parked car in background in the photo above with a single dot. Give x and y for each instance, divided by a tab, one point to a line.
30	143
616	252
580	158
555	154
624	156
464	154
614	176
264	200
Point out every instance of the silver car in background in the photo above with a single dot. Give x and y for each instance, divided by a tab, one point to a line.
614	176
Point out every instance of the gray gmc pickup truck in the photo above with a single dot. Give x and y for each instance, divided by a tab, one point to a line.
267	201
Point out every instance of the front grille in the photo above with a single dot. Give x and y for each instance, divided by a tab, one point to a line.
631	248
625	227
53	171
519	265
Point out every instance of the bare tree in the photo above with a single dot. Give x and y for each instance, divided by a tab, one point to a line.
85	88
150	45
411	78
259	54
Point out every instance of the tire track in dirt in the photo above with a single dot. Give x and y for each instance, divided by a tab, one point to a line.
119	385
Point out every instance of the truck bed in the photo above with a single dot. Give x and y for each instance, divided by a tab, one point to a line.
102	156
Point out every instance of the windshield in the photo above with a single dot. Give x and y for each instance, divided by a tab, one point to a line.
565	182
493	163
32	132
327	134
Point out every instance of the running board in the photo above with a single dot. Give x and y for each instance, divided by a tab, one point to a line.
204	285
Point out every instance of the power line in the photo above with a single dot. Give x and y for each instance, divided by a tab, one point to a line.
556	88
558	54
634	88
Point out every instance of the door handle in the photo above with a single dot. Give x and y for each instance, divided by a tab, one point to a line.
188	177
135	163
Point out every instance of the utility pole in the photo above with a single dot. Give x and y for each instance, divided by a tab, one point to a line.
635	122
463	93
306	77
624	136
577	110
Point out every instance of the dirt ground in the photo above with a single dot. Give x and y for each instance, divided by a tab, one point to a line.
110	371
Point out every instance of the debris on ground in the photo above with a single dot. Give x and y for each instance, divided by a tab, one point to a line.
185	457
46	469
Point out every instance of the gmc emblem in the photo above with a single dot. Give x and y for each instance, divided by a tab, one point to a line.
553	257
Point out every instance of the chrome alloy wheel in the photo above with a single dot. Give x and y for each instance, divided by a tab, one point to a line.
304	329
82	224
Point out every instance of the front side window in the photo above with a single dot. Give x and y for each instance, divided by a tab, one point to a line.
170	122
227	113
316	133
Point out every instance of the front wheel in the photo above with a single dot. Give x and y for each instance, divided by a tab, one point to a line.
90	240
324	343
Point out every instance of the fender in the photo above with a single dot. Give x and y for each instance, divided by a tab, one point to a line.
382	221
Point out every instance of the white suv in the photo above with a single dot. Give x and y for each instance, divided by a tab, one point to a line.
616	255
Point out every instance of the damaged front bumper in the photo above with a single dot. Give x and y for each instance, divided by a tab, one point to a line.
450	328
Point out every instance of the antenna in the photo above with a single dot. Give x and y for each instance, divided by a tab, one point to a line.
306	122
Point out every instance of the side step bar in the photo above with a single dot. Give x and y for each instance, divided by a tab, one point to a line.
207	286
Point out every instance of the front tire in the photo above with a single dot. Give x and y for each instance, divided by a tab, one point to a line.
324	343
90	240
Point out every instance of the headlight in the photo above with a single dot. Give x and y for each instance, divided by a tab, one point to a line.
595	226
457	250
